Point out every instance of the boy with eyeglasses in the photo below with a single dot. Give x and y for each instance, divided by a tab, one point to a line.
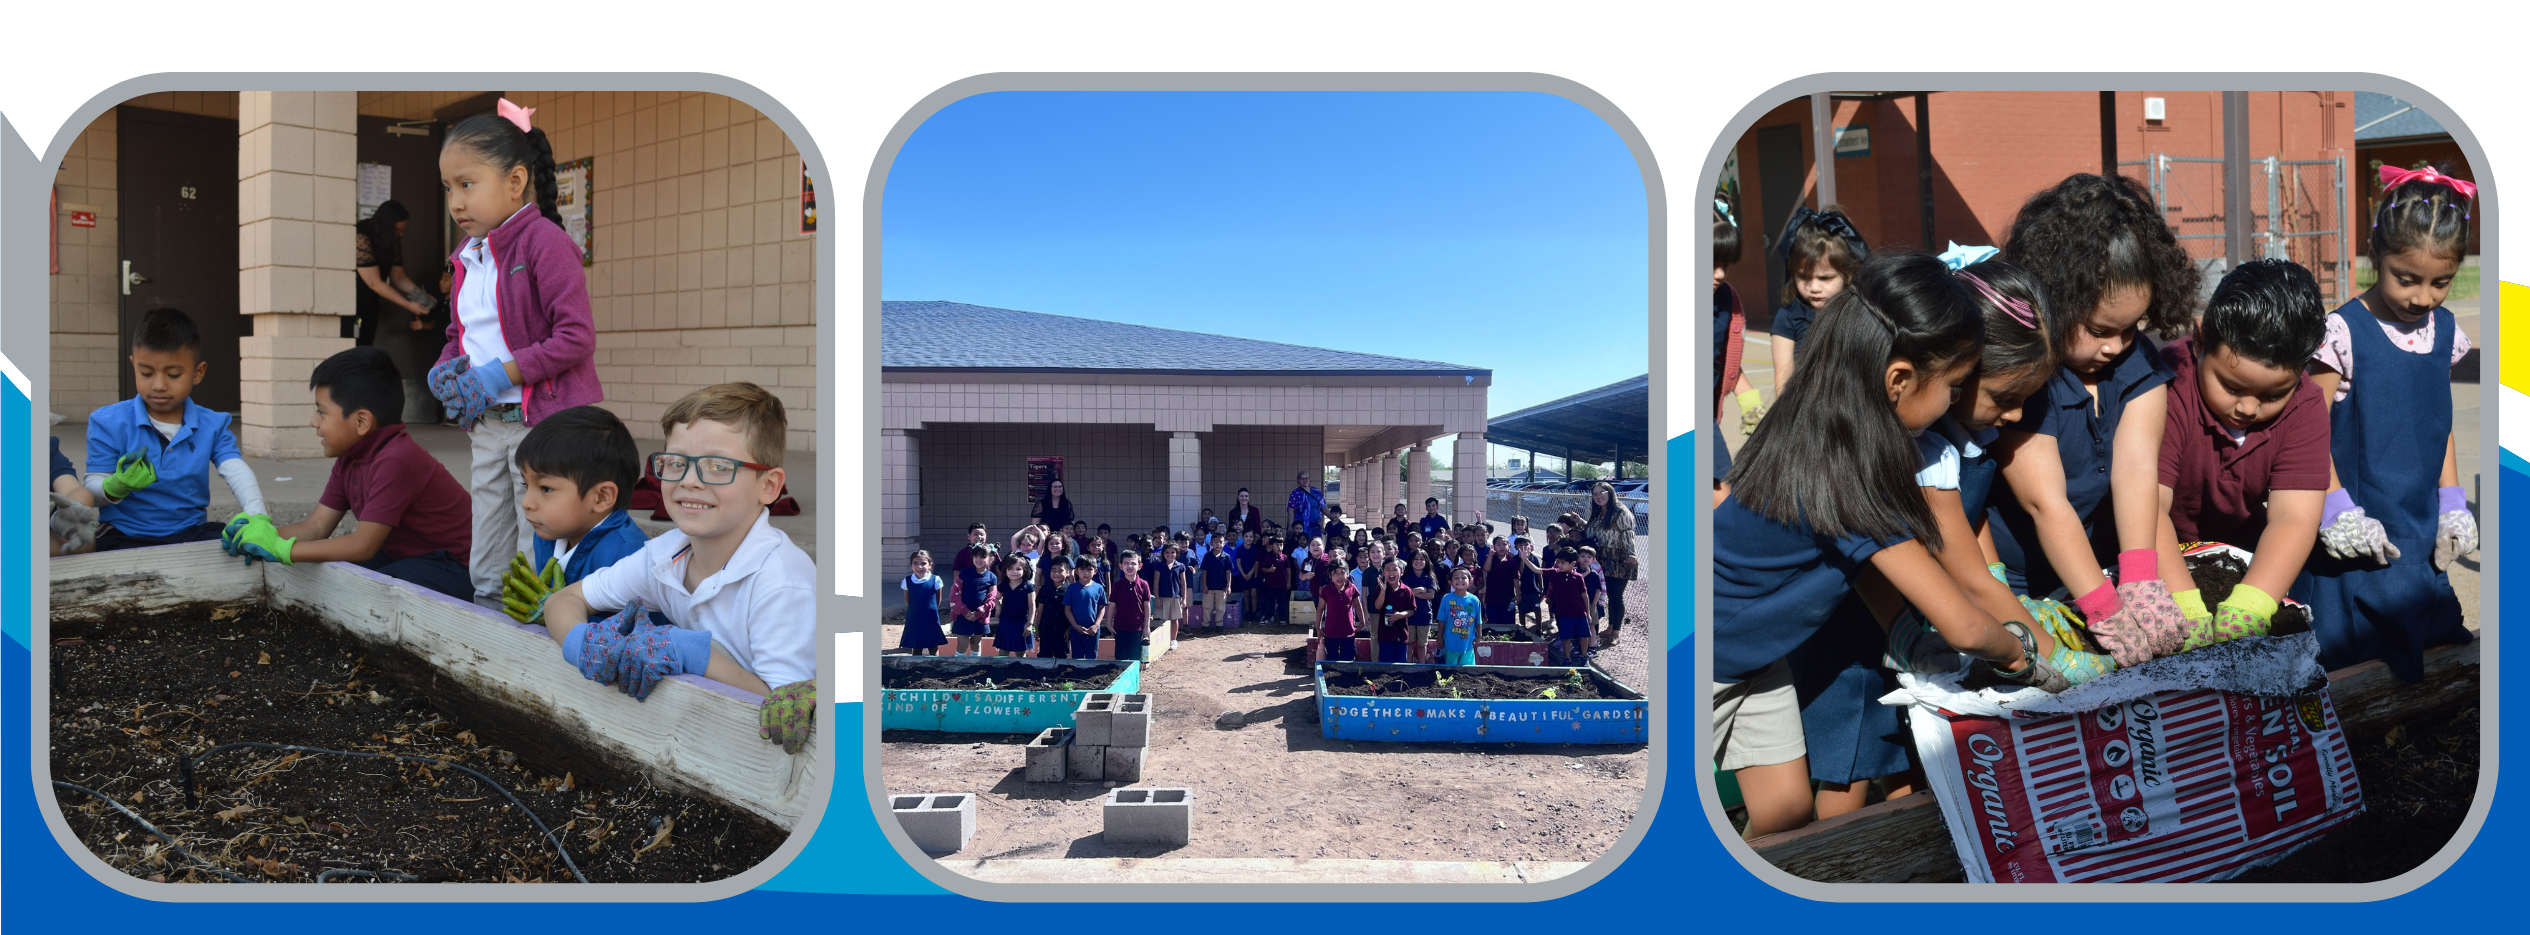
737	596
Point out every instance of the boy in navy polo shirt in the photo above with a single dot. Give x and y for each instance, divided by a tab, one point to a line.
1216	572
1434	524
577	465
150	457
1085	607
416	521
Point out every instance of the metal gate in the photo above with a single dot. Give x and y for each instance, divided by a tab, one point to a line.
2299	214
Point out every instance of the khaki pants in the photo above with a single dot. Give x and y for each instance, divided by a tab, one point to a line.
1212	605
500	528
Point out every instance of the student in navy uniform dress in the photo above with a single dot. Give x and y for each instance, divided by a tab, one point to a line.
1014	630
2083	462
2396	518
1826	489
922	607
1822	252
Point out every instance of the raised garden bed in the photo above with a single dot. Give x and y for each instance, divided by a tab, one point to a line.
993	695
1412	705
159	656
1488	652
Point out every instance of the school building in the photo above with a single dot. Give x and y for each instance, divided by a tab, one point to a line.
238	207
1151	425
1922	170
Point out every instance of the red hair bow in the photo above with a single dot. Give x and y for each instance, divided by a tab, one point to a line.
2393	176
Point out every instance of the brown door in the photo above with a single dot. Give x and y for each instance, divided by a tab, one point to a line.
177	181
1780	175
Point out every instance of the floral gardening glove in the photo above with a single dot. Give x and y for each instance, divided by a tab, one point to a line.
789	715
1914	646
1752	408
443	379
654	651
1996	569
461	392
2245	613
2148	627
2077	665
596	646
257	540
2348	534
524	590
131	472
2455	534
2037	674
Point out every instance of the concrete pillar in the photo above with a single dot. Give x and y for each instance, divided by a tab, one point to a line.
1467	478
1385	489
1418	477
295	203
1352	489
900	498
1185	479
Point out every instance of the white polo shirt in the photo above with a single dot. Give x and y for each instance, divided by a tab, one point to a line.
479	310
761	607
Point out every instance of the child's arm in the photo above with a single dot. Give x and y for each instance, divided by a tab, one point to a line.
724	668
572	335
231	464
2134	473
564	610
359	545
1960	557
318	525
2036	475
2174	572
1965	626
1781	350
2292	529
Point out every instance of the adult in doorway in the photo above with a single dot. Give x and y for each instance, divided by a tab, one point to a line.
389	310
1308	507
1244	517
1611	529
1055	511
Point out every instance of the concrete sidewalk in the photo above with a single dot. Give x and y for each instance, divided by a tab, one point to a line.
291	486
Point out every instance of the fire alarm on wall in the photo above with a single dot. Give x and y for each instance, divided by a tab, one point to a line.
2155	109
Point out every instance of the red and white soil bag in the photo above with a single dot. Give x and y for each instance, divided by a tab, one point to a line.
2189	768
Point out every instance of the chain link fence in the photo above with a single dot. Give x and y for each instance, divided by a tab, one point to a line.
2297	212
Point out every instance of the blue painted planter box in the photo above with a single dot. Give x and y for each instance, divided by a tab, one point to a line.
1621	720
987	711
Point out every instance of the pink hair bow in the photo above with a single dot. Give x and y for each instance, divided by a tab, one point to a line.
2019	310
2393	176
515	114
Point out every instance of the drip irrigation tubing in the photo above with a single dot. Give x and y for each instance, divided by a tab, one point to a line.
153	829
185	770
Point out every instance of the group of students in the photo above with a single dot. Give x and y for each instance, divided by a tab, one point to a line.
724	594
1983	460
1056	591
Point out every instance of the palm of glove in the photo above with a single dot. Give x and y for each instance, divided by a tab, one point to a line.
524	589
2455	535
131	472
789	715
2148	627
2077	665
2228	623
460	390
2354	535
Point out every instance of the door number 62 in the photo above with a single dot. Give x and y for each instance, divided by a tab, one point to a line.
185	192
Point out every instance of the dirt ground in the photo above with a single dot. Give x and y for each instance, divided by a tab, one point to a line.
1275	787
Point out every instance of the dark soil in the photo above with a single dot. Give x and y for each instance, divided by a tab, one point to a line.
1481	686
1011	677
133	695
2216	575
2418	783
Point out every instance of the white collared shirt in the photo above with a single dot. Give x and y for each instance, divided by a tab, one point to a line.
478	306
761	607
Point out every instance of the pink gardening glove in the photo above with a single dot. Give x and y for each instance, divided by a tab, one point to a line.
2149	624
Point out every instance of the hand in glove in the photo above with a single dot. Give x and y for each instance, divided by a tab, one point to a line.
131	472
462	389
1914	646
2037	674
2346	533
524	590
74	522
2076	665
789	715
256	539
2246	613
1752	408
2455	533
654	651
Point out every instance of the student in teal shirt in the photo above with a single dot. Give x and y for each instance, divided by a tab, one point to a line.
1462	617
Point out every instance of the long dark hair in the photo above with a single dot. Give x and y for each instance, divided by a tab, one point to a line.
2092	234
2012	343
2421	215
503	146
384	245
1832	455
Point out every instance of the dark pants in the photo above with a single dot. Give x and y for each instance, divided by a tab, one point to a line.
1084	645
111	538
1129	644
1392	652
1616	602
1339	650
437	570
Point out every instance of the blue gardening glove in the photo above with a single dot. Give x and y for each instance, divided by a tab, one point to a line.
2455	532
131	472
654	651
257	540
462	392
443	378
595	646
2349	534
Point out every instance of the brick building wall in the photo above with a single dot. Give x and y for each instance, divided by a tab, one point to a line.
977	472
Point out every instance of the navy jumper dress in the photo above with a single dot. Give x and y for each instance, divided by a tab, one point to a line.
2086	438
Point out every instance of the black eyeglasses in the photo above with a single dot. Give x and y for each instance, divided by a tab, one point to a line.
669	467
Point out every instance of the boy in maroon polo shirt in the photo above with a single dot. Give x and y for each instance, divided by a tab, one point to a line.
416	521
2244	454
1131	597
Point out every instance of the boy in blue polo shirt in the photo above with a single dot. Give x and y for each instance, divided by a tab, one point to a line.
577	466
1216	575
150	457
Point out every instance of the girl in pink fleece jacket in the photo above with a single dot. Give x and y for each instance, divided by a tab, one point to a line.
521	338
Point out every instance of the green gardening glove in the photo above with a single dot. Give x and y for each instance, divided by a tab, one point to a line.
2069	659
2192	606
2246	613
789	715
257	539
132	472
524	590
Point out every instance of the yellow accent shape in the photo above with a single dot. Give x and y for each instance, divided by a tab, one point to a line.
2514	331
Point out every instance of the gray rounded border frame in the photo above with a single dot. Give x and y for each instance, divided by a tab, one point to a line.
26	325
1656	217
2489	713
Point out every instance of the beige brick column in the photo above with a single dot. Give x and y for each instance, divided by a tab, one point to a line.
1467	478
1418	478
900	498
1185	479
295	203
1384	488
1354	496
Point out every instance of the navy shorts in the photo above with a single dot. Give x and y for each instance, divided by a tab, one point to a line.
1339	650
1084	645
964	627
1392	652
1572	628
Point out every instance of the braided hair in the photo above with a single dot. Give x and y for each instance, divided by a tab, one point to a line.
2421	214
503	146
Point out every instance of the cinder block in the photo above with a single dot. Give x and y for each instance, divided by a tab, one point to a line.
1149	816
939	823
1093	721
1084	762
1046	755
1124	764
1130	725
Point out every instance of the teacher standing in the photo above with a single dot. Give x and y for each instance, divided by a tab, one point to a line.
1308	508
1055	511
386	313
1611	530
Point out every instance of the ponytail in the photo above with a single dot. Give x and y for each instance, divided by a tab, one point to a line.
504	146
544	174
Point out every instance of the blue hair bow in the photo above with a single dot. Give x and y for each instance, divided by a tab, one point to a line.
1958	257
1833	222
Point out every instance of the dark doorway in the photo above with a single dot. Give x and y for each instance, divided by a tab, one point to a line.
1780	177
177	178
409	150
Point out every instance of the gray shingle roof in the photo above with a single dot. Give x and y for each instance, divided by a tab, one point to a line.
2403	121
925	336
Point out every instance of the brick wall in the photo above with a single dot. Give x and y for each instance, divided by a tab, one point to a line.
977	472
1261	459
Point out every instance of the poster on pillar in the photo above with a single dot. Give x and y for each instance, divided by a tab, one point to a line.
481	445
1034	313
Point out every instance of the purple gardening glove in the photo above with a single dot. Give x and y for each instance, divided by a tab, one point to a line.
2346	533
2148	627
2455	529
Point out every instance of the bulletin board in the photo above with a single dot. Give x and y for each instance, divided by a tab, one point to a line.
573	198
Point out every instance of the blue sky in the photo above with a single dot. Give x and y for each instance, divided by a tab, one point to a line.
1499	230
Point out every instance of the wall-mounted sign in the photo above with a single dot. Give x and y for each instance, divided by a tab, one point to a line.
574	197
83	219
1853	141
807	201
